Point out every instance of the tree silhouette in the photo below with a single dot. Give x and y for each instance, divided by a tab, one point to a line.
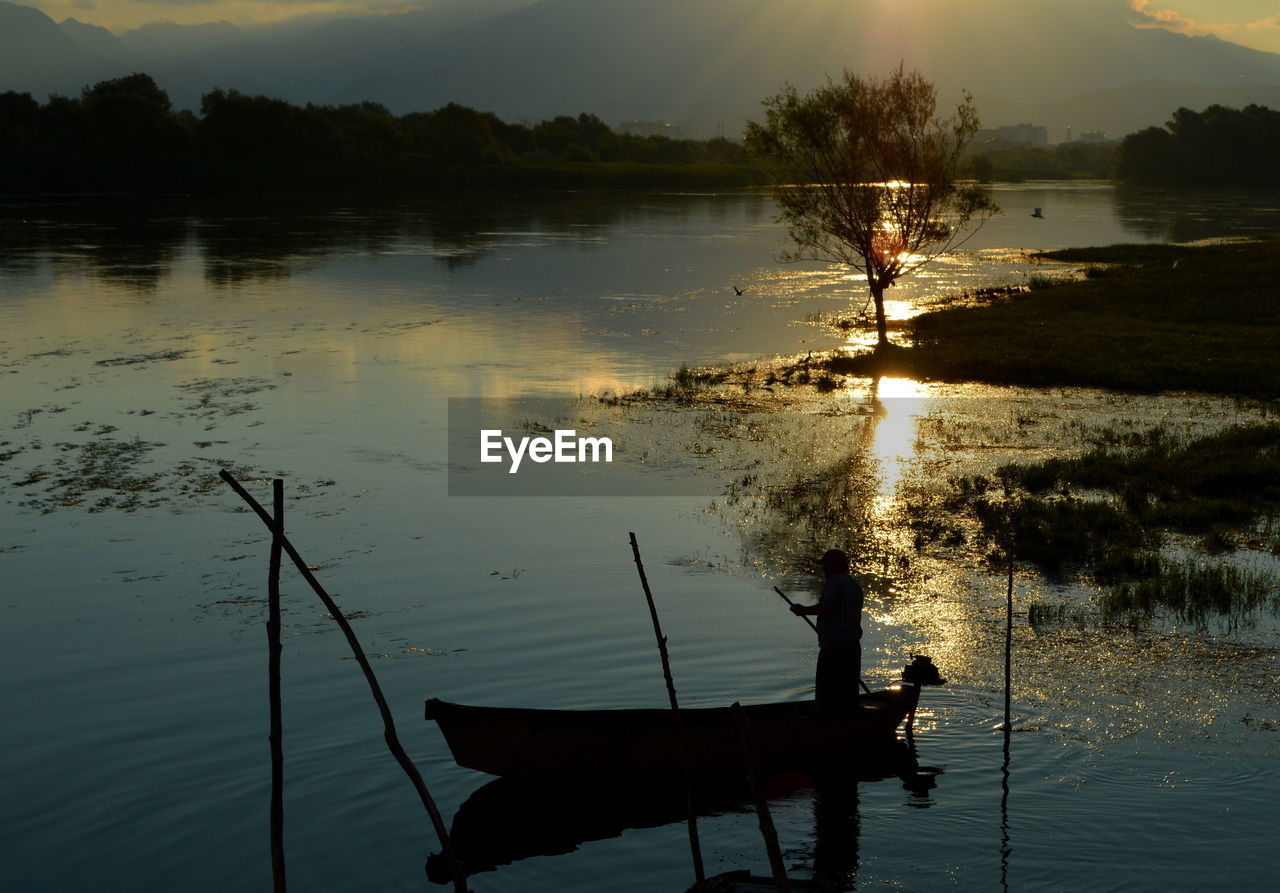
866	175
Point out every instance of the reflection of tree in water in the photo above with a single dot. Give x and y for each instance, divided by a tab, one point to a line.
1184	215
830	494
246	240
130	243
261	238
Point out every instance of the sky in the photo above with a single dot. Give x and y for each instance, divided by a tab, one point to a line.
1253	23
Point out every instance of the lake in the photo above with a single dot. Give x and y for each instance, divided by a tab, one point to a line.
147	343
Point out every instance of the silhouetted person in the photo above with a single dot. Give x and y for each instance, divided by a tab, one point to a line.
1036	213
839	613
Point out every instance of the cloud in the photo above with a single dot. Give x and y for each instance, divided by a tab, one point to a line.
1269	22
266	3
1176	21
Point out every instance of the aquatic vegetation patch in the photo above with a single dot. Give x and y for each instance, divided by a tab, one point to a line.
1194	593
1168	479
682	388
105	471
1108	513
220	397
155	356
1056	534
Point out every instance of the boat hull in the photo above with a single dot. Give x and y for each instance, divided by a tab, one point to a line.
520	742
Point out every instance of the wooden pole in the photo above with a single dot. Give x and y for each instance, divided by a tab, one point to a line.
1008	648
694	846
767	829
274	649
388	722
812	625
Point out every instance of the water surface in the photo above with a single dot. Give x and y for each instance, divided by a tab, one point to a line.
146	344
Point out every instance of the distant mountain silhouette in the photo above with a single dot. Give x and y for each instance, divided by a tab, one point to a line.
38	57
702	64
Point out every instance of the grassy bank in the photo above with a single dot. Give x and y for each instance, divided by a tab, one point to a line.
1146	318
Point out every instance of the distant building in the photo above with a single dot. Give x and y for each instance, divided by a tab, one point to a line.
651	128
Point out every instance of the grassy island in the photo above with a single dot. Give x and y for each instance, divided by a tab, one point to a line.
1145	318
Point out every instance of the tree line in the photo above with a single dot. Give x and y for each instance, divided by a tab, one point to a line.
125	134
1067	161
1219	146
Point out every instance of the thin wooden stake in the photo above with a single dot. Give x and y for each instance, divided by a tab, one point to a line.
694	846
388	722
1008	649
274	649
767	829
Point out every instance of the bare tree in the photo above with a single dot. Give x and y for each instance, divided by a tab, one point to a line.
866	175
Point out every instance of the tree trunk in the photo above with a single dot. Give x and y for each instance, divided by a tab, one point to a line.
882	325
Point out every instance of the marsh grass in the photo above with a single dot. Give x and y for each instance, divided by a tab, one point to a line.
683	387
1139	485
1107	513
1193	593
1198	485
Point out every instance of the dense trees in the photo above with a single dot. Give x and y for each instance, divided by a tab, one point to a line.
1217	147
125	134
1066	161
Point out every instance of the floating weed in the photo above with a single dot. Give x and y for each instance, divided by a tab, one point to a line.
136	359
218	397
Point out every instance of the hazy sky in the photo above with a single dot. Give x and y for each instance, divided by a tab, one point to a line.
1254	23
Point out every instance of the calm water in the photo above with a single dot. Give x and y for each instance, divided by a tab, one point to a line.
143	345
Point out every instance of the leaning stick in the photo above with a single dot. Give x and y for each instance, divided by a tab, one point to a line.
767	830
814	628
388	722
696	848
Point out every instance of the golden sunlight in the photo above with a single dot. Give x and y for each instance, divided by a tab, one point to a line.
900	402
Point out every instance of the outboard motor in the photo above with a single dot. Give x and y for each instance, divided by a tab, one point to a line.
921	671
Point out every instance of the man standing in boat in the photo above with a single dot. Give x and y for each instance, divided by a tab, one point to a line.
839	613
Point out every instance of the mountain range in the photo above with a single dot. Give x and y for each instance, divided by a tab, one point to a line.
703	65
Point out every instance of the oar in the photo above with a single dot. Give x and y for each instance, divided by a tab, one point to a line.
803	617
806	619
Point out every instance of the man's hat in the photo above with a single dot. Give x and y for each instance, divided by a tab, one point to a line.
834	556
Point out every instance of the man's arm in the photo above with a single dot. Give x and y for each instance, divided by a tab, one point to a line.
818	609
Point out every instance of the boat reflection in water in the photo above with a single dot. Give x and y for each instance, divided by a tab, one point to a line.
514	818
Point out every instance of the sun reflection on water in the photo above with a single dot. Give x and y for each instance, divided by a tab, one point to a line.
898	403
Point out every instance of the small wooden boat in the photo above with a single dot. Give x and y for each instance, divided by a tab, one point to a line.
518	741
